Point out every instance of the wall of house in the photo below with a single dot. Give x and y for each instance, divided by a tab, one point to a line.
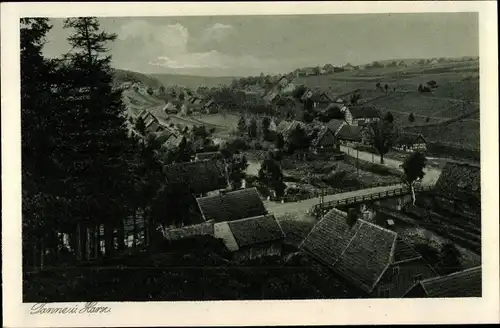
399	278
348	117
258	251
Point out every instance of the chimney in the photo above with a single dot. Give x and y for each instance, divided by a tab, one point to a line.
352	216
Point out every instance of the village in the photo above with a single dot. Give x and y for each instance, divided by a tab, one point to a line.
323	182
282	185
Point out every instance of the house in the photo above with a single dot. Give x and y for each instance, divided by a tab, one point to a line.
172	107
308	71
433	61
466	283
194	230
299	72
251	237
325	142
335	125
327	69
200	177
307	95
350	135
173	142
214	155
361	115
286	106
458	190
210	107
151	122
285	128
233	205
373	259
349	67
320	99
410	142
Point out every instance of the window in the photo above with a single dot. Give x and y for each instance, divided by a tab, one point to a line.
395	270
417	278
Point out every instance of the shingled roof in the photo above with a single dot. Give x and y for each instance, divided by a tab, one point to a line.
360	253
335	125
350	133
364	112
199	176
205	228
230	206
460	181
321	134
208	156
256	230
466	283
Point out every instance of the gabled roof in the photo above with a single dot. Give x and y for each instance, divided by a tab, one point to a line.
407	138
360	254
230	206
350	133
460	181
173	141
335	125
466	283
256	230
364	112
324	131
199	176
320	97
286	127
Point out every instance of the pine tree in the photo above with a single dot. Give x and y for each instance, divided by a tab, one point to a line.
38	168
99	155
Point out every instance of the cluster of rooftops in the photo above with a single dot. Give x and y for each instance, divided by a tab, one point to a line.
370	257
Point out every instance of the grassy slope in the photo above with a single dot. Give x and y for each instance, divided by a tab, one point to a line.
192	82
458	82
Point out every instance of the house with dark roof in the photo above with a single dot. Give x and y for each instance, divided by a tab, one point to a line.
325	142
373	259
286	106
361	115
232	205
335	125
285	128
200	177
350	135
320	100
327	69
458	190
211	107
410	142
466	283
151	122
251	237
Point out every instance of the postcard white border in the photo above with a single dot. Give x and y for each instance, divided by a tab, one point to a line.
311	312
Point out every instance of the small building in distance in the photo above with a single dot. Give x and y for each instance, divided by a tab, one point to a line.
361	115
373	259
328	69
252	237
410	142
325	142
233	205
466	283
211	107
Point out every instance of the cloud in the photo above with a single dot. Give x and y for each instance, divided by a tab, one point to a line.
166	46
217	32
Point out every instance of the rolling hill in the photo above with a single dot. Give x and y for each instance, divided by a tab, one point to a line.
457	95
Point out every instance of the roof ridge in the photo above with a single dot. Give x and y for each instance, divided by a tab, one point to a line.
380	228
452	274
348	244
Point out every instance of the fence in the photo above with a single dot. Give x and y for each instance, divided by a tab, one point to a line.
370	197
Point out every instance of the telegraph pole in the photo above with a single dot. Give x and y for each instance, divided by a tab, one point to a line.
357	162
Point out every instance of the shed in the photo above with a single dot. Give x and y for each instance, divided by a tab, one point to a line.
252	237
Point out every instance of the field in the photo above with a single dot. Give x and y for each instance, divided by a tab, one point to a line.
457	95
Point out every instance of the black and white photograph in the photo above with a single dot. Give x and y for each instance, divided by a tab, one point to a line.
251	157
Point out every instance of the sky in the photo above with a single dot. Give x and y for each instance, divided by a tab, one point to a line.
249	45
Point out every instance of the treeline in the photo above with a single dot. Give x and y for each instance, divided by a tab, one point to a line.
83	172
